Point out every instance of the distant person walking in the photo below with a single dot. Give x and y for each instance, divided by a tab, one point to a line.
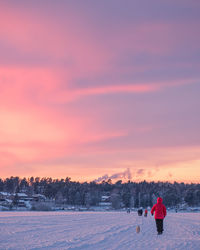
145	212
140	221
160	213
140	211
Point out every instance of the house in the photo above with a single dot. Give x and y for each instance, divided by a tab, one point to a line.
5	199
105	198
5	195
105	201
38	197
5	202
21	203
24	197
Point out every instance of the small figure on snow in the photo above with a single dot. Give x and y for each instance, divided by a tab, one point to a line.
145	213
160	213
128	210
140	221
140	212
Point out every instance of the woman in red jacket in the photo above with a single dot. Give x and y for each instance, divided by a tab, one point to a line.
160	213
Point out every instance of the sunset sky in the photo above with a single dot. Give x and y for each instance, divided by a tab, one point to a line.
94	88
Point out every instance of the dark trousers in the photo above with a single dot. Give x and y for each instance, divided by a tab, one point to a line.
159	225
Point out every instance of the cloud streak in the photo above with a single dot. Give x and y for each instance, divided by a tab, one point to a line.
71	95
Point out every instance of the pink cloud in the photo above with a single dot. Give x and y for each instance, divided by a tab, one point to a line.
78	44
73	95
42	121
155	37
69	41
33	130
77	93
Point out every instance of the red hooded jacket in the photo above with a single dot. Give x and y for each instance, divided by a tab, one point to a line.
160	209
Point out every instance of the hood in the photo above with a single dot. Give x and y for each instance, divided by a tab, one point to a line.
159	200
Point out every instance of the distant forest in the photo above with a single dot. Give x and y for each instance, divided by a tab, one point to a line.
130	194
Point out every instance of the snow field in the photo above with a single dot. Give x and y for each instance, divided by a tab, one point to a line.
96	230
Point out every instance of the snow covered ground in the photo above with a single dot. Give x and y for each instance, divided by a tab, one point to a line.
96	230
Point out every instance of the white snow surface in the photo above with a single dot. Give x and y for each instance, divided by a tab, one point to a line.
96	230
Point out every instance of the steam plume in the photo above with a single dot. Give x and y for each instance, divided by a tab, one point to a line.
125	175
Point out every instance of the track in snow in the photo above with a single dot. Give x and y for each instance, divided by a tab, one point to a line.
96	230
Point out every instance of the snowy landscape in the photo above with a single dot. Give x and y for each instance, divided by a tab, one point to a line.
96	230
99	125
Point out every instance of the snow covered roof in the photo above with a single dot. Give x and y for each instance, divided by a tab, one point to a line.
105	197
39	195
5	193
9	201
22	195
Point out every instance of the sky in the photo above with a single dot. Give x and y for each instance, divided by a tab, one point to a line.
98	89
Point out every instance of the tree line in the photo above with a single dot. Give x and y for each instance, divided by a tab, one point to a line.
129	194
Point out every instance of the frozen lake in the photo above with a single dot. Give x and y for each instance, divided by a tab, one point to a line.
96	230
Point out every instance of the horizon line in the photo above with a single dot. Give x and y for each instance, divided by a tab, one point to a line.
87	181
